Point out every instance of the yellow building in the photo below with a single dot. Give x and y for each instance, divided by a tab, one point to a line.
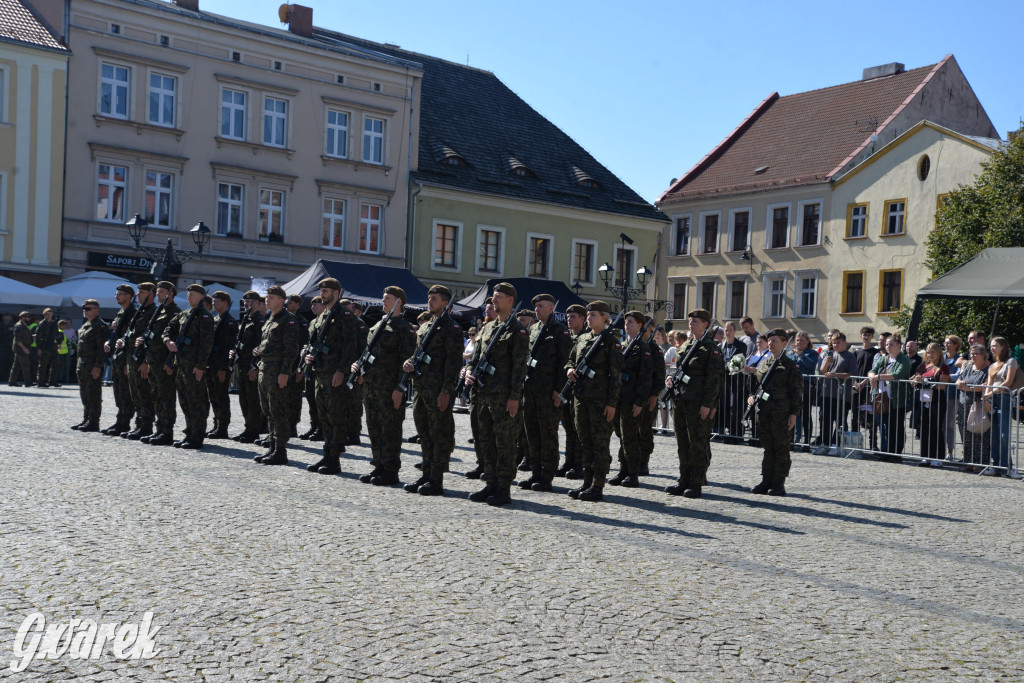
33	79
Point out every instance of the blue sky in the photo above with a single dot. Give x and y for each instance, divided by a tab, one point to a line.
649	89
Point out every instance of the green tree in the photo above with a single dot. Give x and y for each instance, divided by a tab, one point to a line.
989	213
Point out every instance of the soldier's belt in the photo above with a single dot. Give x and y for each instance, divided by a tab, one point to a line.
271	359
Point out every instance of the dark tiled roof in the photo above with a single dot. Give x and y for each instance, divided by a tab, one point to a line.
18	24
473	113
799	139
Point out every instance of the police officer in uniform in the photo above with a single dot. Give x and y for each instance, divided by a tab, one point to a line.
91	358
250	331
225	332
385	405
316	307
694	404
142	393
432	399
189	336
781	401
21	371
497	394
159	375
279	347
595	398
549	349
633	397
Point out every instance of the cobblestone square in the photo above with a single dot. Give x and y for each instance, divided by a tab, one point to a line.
866	571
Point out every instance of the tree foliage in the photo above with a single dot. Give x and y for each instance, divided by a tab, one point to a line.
989	213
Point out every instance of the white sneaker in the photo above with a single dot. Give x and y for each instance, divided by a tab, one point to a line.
832	451
989	472
935	463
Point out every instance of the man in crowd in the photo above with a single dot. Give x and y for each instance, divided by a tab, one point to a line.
131	346
21	370
218	380
156	370
279	346
189	336
124	294
250	331
47	338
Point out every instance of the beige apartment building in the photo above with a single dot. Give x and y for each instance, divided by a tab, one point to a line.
33	78
290	147
752	230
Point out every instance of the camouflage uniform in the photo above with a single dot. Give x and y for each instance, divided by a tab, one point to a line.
549	347
693	435
784	391
119	368
436	428
162	384
192	330
309	385
142	393
354	425
47	340
21	371
590	397
338	338
496	429
91	338
279	345
396	342
297	385
225	332
572	440
635	391
249	334
650	416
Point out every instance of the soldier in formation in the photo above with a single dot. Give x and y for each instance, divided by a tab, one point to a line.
280	343
21	370
316	307
157	372
131	347
250	330
633	398
91	357
189	339
777	402
218	380
114	347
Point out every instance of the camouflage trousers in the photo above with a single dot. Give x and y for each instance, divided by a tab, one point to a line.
194	401
142	397
628	429
384	425
21	370
220	398
332	404
437	433
693	443
249	401
649	418
474	428
310	387
496	440
572	440
91	392
595	434
49	367
122	392
274	401
540	416
164	393
775	438
296	384
355	412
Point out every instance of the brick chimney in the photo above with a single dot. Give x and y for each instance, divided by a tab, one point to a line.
300	20
890	69
188	4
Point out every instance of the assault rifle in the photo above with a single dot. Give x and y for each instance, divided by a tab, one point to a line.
139	354
243	318
760	394
531	360
583	368
636	340
679	377
125	328
421	357
483	364
316	346
367	357
182	340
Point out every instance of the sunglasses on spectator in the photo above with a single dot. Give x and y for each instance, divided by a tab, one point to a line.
89	308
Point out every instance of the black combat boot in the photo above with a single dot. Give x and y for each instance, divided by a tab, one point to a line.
315	467
675	489
618	478
692	492
414	487
78	426
332	466
217	433
499	496
306	435
593	494
263	441
115	429
475	473
631	482
138	433
366	478
90	426
434	487
542	484
246	437
777	490
317	435
574	473
385	479
588	481
482	495
191	445
761	488
527	484
160	440
271	447
278	457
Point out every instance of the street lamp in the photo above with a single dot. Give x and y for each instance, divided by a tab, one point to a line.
625	293
163	259
577	288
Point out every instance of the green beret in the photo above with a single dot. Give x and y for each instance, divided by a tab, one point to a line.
396	292
701	313
329	283
505	288
147	287
199	289
599	306
277	290
126	289
222	295
543	297
442	290
164	284
252	294
577	309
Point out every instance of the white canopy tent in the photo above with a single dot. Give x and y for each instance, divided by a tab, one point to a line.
18	295
95	284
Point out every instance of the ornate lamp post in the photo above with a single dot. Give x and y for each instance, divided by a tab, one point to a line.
163	259
624	293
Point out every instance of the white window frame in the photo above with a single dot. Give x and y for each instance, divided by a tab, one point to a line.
338	221
699	294
370	223
888	205
161	94
270	209
798	292
766	307
679	313
729	280
615	263
4	98
3	202
112	185
850	220
731	240
592	275
230	108
478	267
675	231
271	119
114	85
341	133
457	249
228	203
703	235
157	191
372	136
769	224
530	236
800	225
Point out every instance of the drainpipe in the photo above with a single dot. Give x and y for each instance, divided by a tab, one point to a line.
411	232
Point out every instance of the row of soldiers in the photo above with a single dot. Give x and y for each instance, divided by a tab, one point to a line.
521	383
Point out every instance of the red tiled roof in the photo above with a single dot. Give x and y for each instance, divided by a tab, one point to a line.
18	24
800	139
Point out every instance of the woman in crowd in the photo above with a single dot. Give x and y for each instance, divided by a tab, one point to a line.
971	384
952	345
1002	376
835	390
933	378
731	399
885	378
806	358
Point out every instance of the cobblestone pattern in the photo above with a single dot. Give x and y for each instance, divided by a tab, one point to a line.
866	571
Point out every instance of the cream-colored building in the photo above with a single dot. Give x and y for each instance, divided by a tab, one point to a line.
290	145
33	77
882	213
